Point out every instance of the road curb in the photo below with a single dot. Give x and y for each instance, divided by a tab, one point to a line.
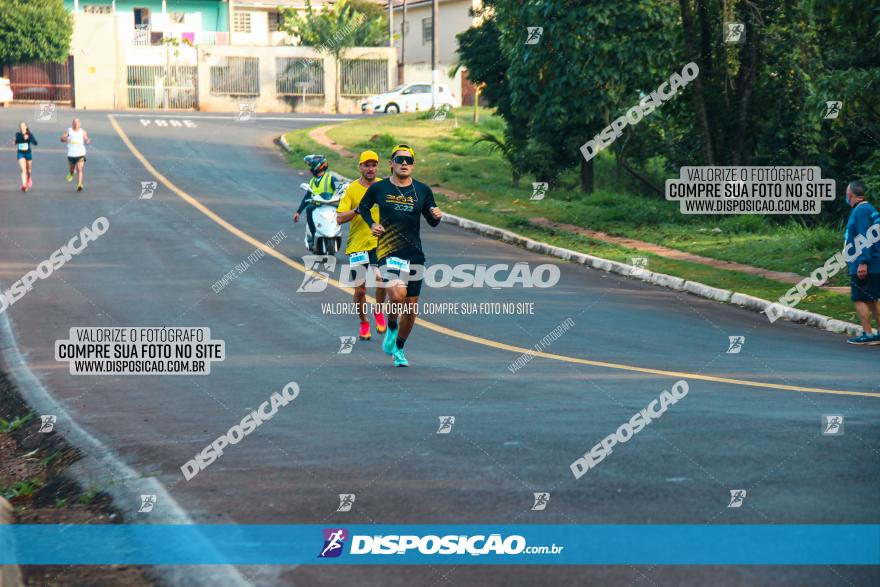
661	279
10	575
100	466
284	144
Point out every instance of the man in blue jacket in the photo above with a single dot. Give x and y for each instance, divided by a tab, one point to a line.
862	233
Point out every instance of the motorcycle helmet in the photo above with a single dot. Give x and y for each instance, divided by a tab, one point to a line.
316	163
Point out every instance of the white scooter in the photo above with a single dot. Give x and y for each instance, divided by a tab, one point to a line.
328	237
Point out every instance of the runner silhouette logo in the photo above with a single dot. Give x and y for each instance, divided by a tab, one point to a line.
334	542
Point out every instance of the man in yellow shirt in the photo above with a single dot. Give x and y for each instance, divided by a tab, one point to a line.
361	246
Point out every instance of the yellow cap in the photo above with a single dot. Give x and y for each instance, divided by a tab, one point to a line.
403	148
368	156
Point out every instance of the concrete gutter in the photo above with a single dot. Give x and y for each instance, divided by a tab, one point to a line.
661	279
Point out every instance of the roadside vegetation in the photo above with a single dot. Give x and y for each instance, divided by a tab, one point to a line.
451	156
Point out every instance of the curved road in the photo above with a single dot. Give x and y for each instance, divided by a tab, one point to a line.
360	426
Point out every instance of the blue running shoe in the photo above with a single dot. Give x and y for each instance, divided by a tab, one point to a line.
390	342
863	339
399	358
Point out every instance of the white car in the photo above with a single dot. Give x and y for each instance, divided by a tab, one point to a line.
407	97
5	91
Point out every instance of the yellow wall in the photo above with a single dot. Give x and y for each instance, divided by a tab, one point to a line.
95	61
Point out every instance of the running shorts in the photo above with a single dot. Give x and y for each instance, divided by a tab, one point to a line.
865	290
413	286
353	272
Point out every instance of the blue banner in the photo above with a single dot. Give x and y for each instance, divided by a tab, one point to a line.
147	544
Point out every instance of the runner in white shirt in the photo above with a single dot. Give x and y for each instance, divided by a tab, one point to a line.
76	138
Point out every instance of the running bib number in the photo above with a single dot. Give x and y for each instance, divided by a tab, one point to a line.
361	258
23	146
397	263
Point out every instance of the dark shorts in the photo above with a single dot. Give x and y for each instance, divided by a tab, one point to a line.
865	290
75	160
413	286
353	272
25	155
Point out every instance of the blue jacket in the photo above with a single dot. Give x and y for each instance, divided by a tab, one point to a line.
862	217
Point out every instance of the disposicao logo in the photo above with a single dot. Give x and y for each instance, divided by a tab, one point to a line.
334	542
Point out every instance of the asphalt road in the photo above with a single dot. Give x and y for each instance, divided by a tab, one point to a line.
361	426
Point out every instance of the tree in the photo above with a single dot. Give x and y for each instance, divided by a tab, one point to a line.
348	23
850	144
585	70
34	30
760	102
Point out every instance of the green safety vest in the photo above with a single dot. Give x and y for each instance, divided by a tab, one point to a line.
322	185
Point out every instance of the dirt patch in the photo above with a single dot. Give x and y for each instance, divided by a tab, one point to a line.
454	196
661	251
319	135
33	478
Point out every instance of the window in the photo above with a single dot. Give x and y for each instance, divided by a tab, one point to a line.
98	9
276	19
241	22
236	76
363	77
299	76
142	18
175	17
427	30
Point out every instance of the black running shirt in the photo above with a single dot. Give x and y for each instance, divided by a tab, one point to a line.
399	210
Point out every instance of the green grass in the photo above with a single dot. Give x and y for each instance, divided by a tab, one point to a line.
21	488
447	157
7	426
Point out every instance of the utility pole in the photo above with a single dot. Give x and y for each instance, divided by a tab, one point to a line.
403	45
435	30
390	23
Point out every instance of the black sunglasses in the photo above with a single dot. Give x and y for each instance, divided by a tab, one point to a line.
400	159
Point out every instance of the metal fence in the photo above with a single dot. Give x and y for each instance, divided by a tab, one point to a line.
299	77
160	86
42	82
236	76
363	77
141	38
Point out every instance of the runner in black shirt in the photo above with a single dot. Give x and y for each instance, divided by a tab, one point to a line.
401	201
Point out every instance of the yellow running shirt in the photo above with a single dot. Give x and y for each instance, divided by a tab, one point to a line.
360	237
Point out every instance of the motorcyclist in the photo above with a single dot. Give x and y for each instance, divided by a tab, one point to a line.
322	183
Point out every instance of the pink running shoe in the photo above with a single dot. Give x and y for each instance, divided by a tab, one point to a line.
365	331
381	327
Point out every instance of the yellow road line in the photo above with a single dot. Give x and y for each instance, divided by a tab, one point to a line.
455	333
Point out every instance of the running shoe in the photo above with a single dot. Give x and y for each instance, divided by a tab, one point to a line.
69	177
24	188
79	187
390	342
30	182
864	339
399	358
365	331
381	326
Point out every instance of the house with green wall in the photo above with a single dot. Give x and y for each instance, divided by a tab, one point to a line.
253	22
